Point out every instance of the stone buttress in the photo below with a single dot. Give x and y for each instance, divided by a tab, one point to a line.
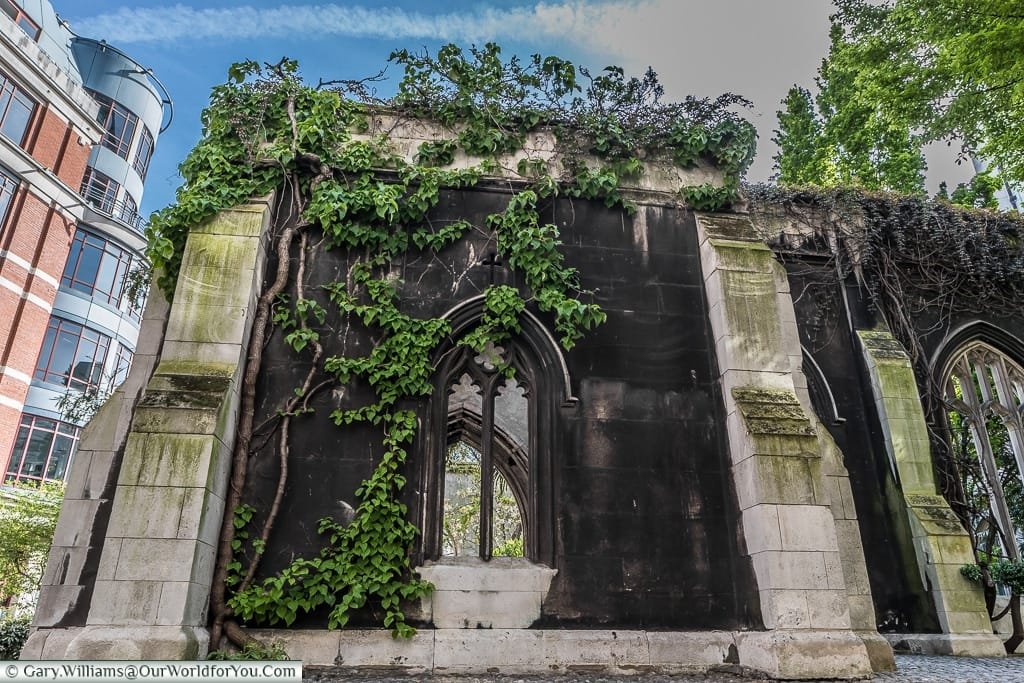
145	591
941	544
788	517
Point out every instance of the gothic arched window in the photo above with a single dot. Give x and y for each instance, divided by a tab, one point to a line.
486	456
984	391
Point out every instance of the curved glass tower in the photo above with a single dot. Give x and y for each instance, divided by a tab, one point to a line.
92	329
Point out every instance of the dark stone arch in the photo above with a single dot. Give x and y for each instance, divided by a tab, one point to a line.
822	399
542	371
956	343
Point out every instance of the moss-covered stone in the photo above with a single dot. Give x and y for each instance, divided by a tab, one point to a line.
775	412
751	257
167	460
942	544
730	228
246	220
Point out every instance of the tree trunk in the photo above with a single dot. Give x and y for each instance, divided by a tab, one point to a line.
1018	627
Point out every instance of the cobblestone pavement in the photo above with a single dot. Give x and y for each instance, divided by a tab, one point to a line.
910	669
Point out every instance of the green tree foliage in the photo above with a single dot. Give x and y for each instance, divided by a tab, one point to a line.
849	141
800	160
948	69
13	634
462	501
28	516
980	193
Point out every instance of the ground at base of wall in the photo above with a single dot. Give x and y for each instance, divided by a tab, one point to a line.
909	669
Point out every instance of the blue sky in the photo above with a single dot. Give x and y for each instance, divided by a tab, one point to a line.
757	48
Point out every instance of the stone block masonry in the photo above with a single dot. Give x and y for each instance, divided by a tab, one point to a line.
700	515
152	583
941	544
787	520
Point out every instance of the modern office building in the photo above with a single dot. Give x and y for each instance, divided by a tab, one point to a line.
79	121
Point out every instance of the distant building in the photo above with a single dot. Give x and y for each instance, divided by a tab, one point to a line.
79	120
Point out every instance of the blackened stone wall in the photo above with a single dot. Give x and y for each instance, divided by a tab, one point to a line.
644	519
828	313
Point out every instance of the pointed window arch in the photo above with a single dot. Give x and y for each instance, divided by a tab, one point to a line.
490	436
984	393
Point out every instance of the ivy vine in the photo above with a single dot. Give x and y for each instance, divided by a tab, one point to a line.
922	263
266	130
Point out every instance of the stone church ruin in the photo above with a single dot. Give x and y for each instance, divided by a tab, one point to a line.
734	468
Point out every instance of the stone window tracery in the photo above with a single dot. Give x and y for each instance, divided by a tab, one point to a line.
985	395
489	436
486	474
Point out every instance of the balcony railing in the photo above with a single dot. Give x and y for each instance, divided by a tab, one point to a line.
119	210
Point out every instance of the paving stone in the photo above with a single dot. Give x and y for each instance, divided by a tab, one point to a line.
909	669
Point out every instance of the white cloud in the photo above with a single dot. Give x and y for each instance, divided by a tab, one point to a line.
182	22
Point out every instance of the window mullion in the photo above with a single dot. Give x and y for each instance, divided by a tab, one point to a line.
997	497
970	384
487	469
1010	416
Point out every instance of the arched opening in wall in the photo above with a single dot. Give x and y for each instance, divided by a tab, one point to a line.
487	472
984	396
461	515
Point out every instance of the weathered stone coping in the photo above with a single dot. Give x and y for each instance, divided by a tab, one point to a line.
660	176
533	651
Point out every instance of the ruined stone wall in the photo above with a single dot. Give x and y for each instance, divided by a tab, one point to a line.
644	523
842	397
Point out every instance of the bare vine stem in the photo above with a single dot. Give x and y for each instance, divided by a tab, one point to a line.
287	413
240	456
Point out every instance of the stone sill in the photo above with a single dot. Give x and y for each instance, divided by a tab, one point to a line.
506	592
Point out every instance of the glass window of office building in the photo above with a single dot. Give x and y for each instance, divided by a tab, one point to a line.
72	355
100	190
144	153
8	185
16	109
42	450
18	16
96	267
118	123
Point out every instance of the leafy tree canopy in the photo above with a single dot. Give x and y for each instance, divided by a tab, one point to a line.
800	160
946	69
841	138
28	517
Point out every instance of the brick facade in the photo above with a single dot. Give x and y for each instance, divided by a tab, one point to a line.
34	243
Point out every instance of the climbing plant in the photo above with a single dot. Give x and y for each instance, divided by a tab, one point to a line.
337	176
912	254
